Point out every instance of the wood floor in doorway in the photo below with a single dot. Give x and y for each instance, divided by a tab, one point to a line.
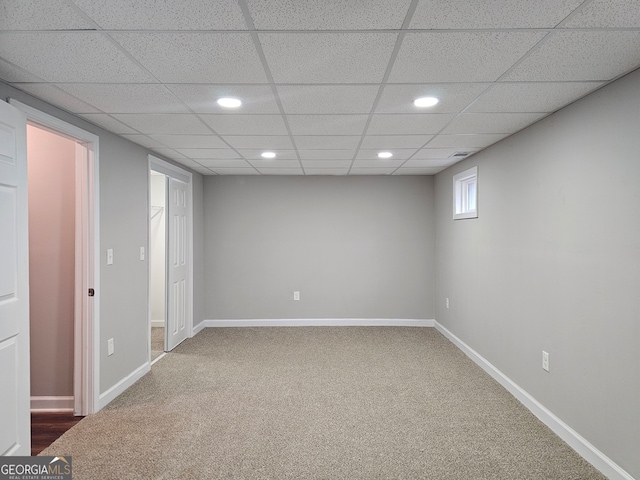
47	427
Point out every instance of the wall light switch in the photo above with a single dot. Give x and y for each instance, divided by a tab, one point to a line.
141	253
545	361
446	301
110	256
296	295
110	347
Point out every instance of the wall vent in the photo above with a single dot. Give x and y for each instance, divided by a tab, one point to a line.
459	154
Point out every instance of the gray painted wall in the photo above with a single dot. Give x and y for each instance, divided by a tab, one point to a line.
355	247
553	263
123	215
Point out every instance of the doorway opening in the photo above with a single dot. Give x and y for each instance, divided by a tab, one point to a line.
171	256
158	260
67	236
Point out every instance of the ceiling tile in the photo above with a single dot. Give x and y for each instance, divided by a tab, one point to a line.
326	171
407	124
162	123
11	73
338	142
187	162
280	154
202	98
386	163
326	163
204	171
241	124
398	154
208	152
395	141
165	15
316	99
259	142
223	163
418	171
459	56
41	15
328	14
327	154
117	98
189	141
236	171
281	171
273	163
372	171
463	14
170	153
580	56
198	57
439	153
491	122
464	142
109	123
338	57
607	14
327	124
453	97
143	140
71	57
431	163
58	97
530	97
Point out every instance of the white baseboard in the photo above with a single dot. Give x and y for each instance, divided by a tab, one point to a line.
157	323
317	322
198	328
52	404
581	445
122	385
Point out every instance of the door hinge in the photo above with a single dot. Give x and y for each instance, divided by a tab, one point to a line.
92	292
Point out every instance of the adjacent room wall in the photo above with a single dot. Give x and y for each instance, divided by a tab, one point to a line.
355	247
553	263
51	164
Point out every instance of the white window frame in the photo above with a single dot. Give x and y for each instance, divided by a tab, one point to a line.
461	200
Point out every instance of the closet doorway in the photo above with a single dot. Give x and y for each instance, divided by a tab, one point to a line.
171	256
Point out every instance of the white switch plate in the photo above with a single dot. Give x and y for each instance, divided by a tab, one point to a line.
446	301
110	347
110	256
545	361
141	253
296	295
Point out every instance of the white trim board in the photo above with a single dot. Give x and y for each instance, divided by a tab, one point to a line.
157	323
580	444
122	385
52	404
317	322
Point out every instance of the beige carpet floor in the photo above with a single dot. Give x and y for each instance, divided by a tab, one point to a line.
317	403
157	342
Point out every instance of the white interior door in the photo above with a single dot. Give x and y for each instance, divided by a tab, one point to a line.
15	422
177	302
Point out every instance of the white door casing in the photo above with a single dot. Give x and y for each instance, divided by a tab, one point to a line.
178	270
15	422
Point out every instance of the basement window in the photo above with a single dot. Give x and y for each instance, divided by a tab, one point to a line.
465	194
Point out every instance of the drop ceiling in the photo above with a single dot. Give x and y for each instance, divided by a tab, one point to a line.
326	84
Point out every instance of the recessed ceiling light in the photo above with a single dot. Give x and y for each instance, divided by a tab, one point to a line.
425	101
229	102
385	155
268	154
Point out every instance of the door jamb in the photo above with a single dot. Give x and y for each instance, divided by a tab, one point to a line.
185	176
87	309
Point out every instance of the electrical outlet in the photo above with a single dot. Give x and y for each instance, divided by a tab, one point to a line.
296	295
545	361
141	253
110	347
446	301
